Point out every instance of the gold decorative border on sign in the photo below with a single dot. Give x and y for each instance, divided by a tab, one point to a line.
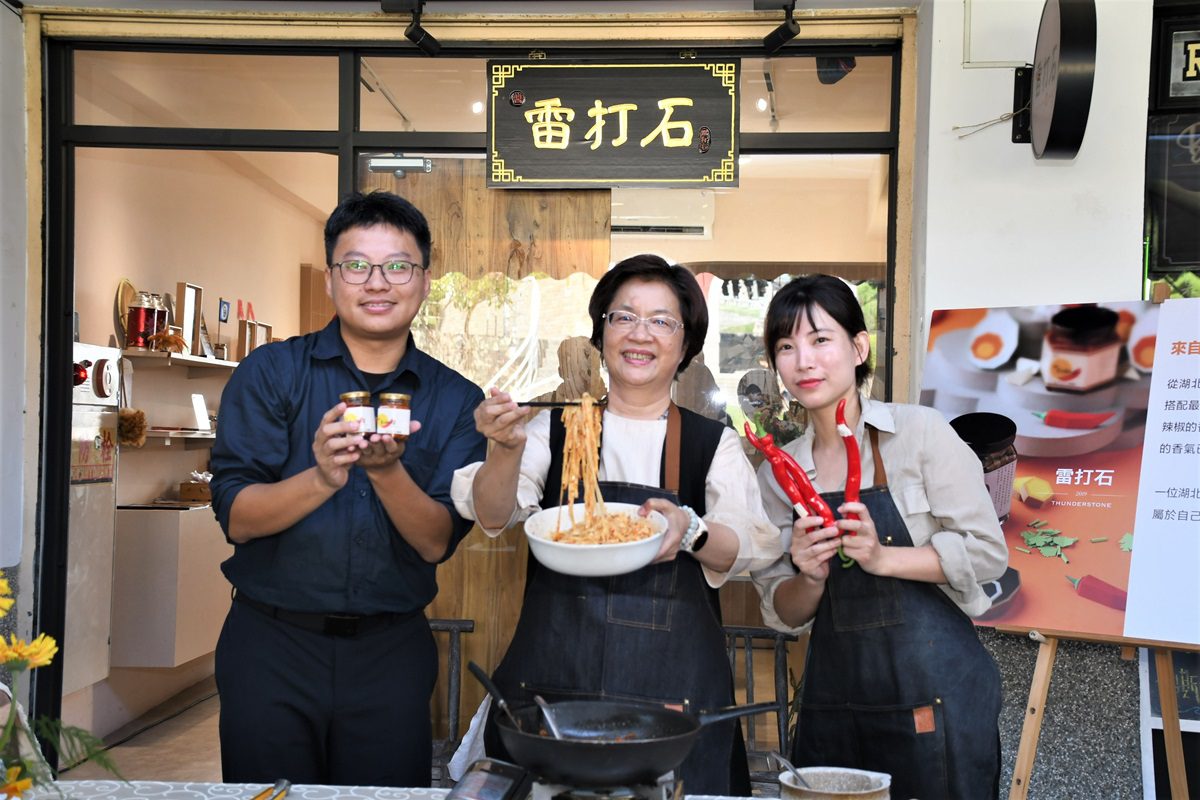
725	71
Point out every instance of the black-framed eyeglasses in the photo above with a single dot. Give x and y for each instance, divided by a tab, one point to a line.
357	271
658	325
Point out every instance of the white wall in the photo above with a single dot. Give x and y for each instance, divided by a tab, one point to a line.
997	227
13	349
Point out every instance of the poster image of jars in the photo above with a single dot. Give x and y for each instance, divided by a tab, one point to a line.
1053	399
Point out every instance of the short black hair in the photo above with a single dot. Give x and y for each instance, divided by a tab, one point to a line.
680	280
798	297
360	210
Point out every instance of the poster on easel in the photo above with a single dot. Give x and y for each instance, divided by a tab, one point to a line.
1069	387
1164	590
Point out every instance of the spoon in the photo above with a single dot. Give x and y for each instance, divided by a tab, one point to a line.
549	715
483	678
783	762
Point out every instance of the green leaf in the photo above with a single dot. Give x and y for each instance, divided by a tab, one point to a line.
1038	540
1053	551
1126	543
1065	541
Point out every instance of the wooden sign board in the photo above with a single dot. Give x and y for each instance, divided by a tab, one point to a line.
553	125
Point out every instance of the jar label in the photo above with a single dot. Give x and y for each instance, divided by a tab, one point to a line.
393	420
1000	486
1079	369
363	415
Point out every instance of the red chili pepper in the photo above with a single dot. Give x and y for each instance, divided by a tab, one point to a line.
1057	418
1104	593
791	478
853	459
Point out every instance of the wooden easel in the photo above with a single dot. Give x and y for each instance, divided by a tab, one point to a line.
1035	709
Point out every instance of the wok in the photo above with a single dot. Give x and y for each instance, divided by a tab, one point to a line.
607	743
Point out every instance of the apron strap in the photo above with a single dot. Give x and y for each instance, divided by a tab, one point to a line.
671	455
880	472
670	468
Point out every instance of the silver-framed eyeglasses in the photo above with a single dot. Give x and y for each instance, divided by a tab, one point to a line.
357	271
658	325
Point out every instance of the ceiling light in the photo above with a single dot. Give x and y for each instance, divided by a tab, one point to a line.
761	104
787	30
423	39
477	107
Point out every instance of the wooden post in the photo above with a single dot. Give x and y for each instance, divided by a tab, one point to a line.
1032	728
1172	740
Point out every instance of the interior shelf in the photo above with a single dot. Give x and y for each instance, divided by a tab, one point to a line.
197	366
191	439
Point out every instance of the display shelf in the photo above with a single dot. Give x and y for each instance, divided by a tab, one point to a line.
192	440
197	366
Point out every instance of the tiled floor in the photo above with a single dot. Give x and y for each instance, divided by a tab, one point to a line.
180	744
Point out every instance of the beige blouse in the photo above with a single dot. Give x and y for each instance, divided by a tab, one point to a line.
937	484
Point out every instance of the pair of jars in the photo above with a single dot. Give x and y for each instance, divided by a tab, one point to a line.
393	416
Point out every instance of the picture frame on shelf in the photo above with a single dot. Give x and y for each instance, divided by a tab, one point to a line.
189	299
262	334
206	346
251	334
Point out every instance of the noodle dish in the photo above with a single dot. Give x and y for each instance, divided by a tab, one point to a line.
552	543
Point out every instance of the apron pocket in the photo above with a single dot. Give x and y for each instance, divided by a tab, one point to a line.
860	601
644	598
906	741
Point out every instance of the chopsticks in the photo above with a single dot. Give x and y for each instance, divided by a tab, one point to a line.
549	404
276	792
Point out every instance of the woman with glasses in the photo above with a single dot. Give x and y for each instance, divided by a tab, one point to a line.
655	634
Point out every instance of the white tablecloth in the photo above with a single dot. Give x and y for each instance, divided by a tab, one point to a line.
116	790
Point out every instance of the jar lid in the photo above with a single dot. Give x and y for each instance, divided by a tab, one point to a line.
394	397
985	432
1086	323
356	397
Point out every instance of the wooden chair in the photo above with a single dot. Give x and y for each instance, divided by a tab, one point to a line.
443	749
740	640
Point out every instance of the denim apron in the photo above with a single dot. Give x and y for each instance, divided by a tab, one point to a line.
896	679
653	635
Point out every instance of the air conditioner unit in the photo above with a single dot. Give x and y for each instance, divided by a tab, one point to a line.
663	212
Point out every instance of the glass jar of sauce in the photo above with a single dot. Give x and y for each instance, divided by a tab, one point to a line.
992	438
1081	349
139	322
394	415
360	410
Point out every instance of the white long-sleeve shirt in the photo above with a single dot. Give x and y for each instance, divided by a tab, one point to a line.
631	451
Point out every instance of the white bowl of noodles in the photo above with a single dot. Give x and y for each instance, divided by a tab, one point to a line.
592	560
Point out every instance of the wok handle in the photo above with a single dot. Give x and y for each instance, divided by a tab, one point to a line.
493	690
732	712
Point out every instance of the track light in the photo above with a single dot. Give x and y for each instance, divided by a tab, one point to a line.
422	38
787	30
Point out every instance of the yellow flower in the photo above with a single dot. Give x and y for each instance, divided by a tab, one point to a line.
12	786
19	654
6	598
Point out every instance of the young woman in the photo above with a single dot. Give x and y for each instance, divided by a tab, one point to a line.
896	679
654	634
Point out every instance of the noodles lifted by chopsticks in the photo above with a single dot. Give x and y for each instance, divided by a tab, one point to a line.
581	464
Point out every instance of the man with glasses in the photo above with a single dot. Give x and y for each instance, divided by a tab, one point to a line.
326	664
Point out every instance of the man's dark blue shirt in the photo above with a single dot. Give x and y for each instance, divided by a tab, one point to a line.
346	556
